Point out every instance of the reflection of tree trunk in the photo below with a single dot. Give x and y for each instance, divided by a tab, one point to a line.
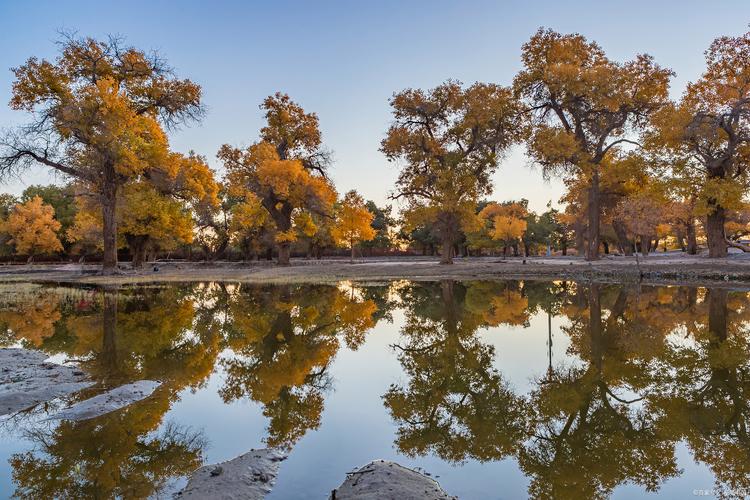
717	313
549	344
595	325
109	357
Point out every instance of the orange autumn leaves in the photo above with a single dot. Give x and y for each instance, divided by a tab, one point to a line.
33	228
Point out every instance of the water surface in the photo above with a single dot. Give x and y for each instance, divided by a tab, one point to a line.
503	389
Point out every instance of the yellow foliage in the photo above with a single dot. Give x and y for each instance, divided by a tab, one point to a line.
508	228
33	228
353	220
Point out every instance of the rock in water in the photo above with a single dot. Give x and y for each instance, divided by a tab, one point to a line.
247	477
110	401
26	379
384	480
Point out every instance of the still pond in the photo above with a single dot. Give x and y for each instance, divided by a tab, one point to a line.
499	389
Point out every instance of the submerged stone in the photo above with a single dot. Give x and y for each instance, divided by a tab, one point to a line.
109	401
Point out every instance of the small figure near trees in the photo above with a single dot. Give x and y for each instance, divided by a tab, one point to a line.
33	228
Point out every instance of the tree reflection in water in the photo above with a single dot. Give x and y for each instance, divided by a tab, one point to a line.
283	339
646	368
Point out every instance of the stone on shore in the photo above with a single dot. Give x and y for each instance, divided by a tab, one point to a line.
246	477
109	401
385	480
26	380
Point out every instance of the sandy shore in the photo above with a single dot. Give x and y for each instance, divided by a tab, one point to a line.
671	268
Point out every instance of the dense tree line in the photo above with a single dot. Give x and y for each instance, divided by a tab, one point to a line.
642	172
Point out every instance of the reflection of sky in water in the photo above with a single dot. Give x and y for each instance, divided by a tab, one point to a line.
356	427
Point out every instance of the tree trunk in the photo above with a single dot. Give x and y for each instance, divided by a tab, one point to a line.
717	245
351	244
593	222
692	242
446	256
284	252
622	237
109	217
580	239
564	248
137	246
606	247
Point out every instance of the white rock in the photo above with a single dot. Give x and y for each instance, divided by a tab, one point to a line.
109	401
26	379
247	477
384	480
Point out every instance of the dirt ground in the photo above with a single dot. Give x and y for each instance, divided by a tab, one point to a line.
669	268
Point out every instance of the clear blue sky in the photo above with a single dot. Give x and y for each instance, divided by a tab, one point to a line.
344	59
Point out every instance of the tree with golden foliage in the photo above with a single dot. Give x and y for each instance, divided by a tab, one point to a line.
33	228
152	214
708	134
353	221
450	139
583	106
286	169
250	226
98	111
641	214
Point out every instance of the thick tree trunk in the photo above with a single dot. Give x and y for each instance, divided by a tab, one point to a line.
692	242
622	237
717	245
580	239
564	248
284	253
137	246
446	255
109	217
593	218
605	243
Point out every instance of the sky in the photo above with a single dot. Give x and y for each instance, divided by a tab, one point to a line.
345	59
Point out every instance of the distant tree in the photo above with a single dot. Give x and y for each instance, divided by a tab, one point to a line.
642	215
353	221
33	228
7	202
382	223
450	140
285	170
61	198
98	113
584	106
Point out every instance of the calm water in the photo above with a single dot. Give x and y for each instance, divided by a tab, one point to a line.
502	389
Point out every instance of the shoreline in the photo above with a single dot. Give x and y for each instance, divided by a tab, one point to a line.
667	269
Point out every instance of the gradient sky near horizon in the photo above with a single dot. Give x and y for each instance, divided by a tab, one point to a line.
344	59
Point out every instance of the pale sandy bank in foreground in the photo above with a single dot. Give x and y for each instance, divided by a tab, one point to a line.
671	268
